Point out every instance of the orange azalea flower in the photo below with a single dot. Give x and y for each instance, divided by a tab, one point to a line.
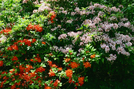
6	31
40	69
69	73
60	69
70	80
44	43
1	63
21	68
67	59
11	71
14	58
10	48
56	83
87	64
18	83
47	87
28	68
15	47
49	63
92	56
31	60
53	15
38	59
54	65
13	86
32	74
77	84
51	81
38	28
27	42
81	80
51	73
33	40
74	65
29	27
26	77
17	88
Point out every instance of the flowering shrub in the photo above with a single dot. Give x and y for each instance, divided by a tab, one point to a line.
48	47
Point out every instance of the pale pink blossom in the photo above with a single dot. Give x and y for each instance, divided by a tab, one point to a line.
128	24
115	26
103	45
107	49
69	21
62	36
25	1
35	11
112	57
97	5
73	13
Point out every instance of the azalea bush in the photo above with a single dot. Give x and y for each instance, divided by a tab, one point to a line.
46	46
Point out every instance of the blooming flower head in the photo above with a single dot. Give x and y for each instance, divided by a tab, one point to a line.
53	15
81	80
47	87
1	63
33	40
30	27
6	31
14	58
59	68
74	64
69	73
15	47
40	69
87	64
27	42
12	70
56	83
43	43
38	28
51	73
92	56
67	59
49	63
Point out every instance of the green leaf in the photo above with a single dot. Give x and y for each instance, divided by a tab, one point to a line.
102	60
43	65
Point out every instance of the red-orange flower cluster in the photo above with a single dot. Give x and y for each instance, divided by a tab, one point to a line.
47	87
1	63
13	47
51	73
43	43
5	31
53	15
34	27
81	80
56	83
14	58
74	64
67	59
25	41
30	27
49	63
87	64
69	73
40	69
92	56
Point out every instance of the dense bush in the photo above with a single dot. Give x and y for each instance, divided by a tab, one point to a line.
57	44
